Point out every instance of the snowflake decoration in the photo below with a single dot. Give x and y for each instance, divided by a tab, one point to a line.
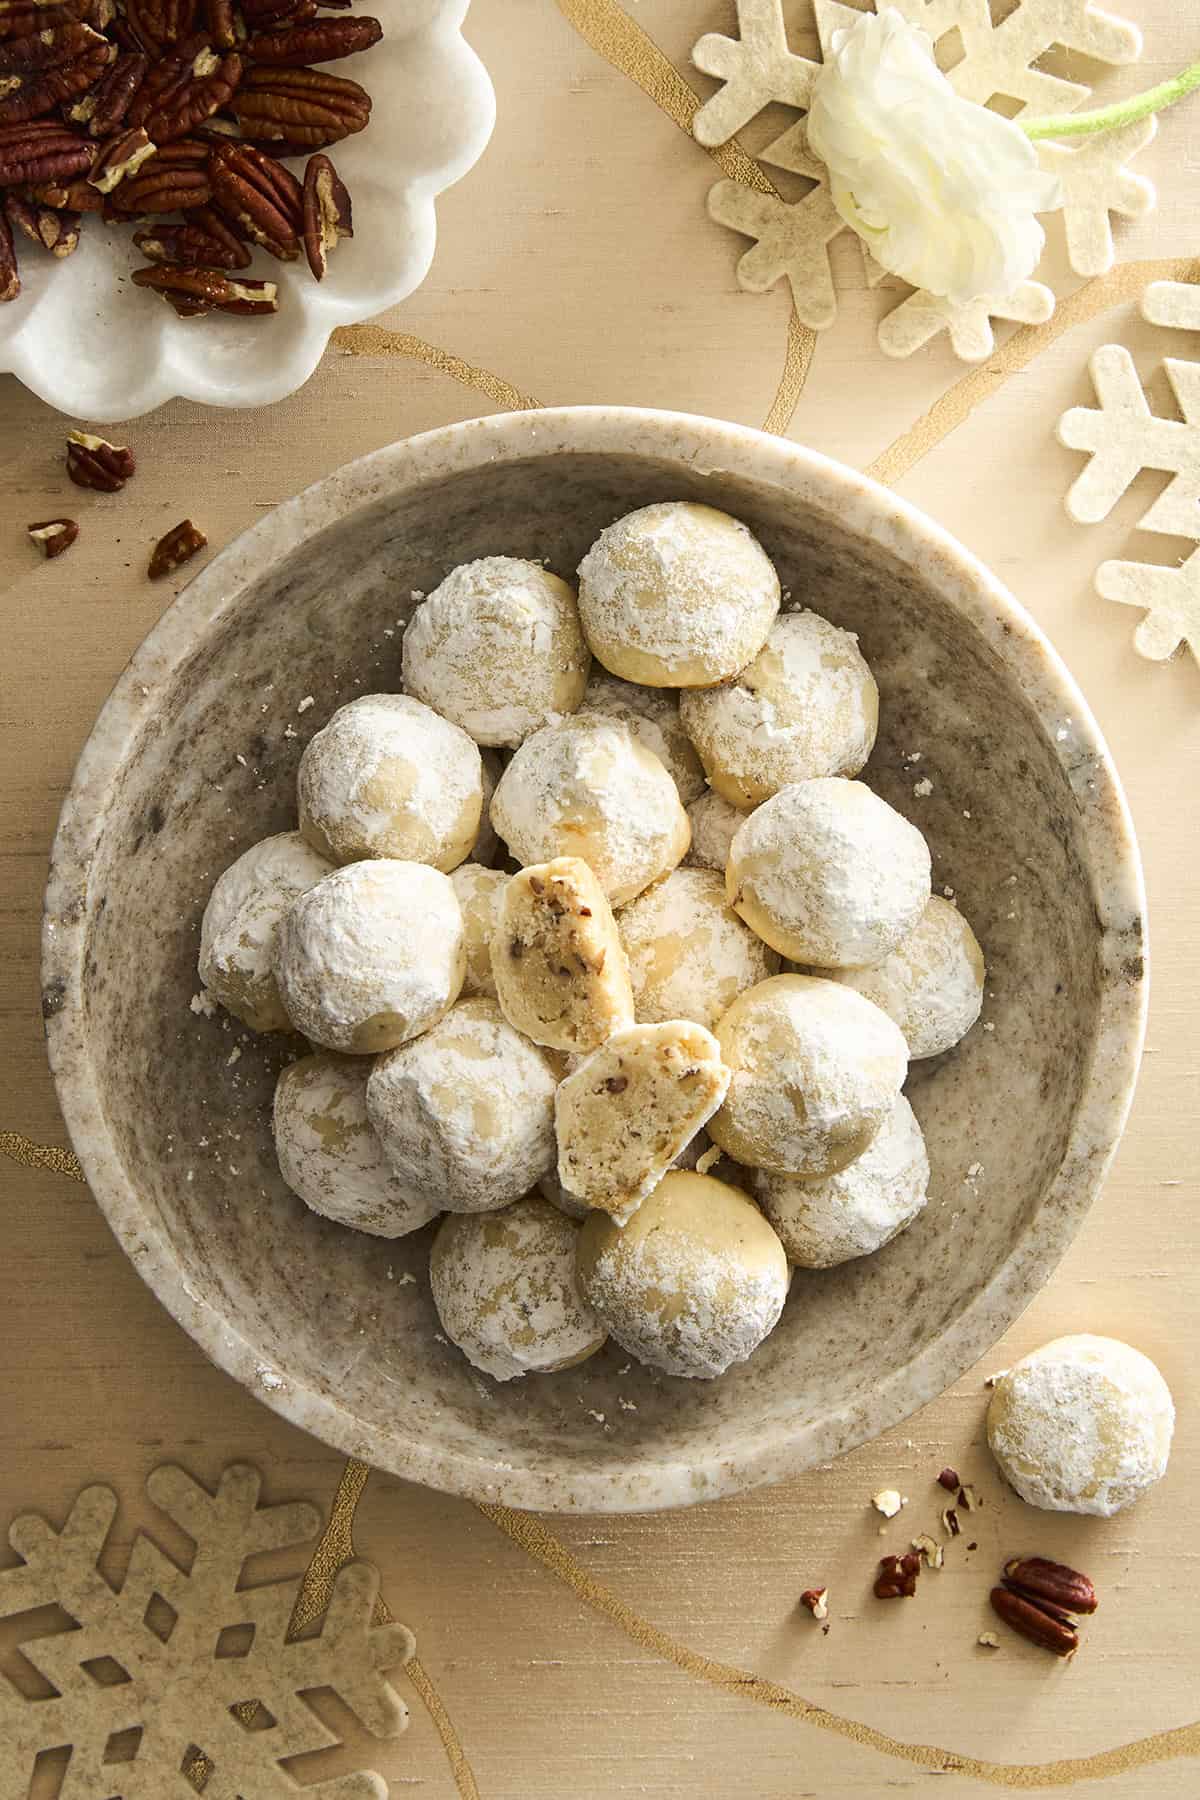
997	62
179	1681
1122	437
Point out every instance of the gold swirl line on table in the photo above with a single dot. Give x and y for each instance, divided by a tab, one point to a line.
1123	283
377	340
23	1150
616	37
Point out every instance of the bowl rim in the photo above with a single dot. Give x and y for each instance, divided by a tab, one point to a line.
871	512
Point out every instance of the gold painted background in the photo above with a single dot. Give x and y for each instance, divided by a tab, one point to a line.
660	1656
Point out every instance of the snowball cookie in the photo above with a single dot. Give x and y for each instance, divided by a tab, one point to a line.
371	955
815	1071
858	1209
506	1290
693	1282
653	718
466	1111
329	1154
497	648
713	823
1082	1425
806	706
387	777
690	956
586	787
628	1110
554	1191
829	874
931	984
479	892
241	921
677	595
561	975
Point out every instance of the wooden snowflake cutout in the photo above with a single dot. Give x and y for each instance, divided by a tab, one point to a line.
177	1681
1122	436
986	62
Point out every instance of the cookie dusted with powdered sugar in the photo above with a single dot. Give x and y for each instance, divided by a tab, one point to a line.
506	1290
329	1154
713	823
388	777
561	975
241	923
931	984
498	648
479	893
689	954
653	717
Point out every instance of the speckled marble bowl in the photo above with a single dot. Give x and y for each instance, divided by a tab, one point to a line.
194	757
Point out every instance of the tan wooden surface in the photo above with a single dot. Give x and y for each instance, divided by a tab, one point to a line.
576	264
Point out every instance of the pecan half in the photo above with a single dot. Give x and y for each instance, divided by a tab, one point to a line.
325	40
33	95
18	18
175	547
260	197
41	150
1043	1581
10	281
177	96
45	49
328	216
92	462
1031	1622
70	196
120	158
173	180
54	228
204	240
104	109
192	291
53	536
897	1578
222	24
300	106
159	24
258	13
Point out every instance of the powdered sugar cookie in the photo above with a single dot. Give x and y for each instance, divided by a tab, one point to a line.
560	972
677	595
931	984
241	923
713	823
689	954
479	891
498	649
653	717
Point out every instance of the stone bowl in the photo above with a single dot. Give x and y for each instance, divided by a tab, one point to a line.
985	742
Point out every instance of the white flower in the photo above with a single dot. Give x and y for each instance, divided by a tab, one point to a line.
942	191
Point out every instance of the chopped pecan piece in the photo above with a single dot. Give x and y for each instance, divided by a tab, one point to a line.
104	109
300	106
897	1578
176	96
41	150
204	240
71	196
120	158
328	215
192	291
53	536
949	1480
322	41
92	462
260	197
175	547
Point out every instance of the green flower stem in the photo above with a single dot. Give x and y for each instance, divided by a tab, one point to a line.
1122	112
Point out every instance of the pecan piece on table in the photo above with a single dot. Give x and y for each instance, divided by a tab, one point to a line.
173	180
176	96
92	462
120	158
192	291
10	280
299	107
1049	1630
175	548
203	240
42	150
1051	1583
328	215
260	197
53	536
31	96
897	1578
325	40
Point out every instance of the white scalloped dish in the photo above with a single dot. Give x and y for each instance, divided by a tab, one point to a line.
83	338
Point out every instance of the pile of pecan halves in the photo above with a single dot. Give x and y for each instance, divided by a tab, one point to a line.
172	115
